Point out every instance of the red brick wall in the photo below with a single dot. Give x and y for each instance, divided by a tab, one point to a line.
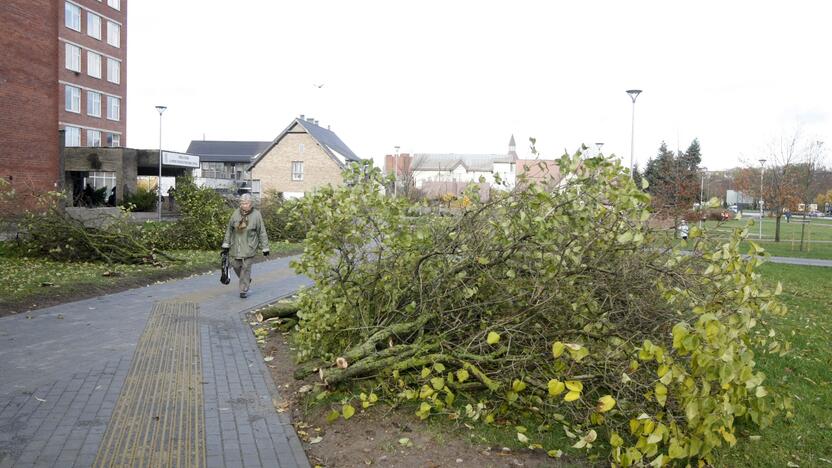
29	93
82	79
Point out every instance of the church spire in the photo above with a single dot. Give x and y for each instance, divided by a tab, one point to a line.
511	145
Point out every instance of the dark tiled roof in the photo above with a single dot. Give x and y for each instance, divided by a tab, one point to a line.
226	151
330	139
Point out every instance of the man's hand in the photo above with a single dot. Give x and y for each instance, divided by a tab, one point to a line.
265	253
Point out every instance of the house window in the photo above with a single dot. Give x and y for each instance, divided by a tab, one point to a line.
93	25
115	4
93	104
113	140
73	99
73	58
93	138
297	170
113	108
93	64
113	71
72	16
72	136
113	34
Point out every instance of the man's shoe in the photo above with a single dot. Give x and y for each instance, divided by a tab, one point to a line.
243	295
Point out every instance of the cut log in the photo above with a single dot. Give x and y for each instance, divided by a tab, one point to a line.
279	310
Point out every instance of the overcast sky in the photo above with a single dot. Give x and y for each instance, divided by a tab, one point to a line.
459	76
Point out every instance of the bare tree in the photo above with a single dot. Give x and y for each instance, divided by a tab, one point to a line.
780	185
806	174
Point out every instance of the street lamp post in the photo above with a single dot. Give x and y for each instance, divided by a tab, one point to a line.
633	95
762	171
396	174
161	110
599	145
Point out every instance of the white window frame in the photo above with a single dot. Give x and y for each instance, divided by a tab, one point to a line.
113	108
73	57
73	99
115	4
72	16
93	138
113	71
93	104
93	25
94	64
297	171
113	34
114	139
73	136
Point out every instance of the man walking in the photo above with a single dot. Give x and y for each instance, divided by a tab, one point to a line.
244	236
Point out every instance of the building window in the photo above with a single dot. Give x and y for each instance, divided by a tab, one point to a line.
301	148
115	4
93	104
73	99
72	136
93	64
297	170
72	16
93	138
73	58
113	140
99	180
113	108
113	71
93	25
113	34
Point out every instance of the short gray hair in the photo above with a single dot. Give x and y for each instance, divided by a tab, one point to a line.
246	197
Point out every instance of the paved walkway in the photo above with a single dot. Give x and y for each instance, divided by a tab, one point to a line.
164	375
801	261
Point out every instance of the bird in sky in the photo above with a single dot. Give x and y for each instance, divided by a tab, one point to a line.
318	85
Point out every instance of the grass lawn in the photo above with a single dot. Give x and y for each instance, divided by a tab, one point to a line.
31	282
819	231
805	440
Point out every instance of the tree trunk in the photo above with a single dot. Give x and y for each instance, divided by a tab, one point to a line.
777	227
803	228
281	309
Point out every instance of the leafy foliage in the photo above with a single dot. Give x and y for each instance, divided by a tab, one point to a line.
204	214
550	302
142	200
279	217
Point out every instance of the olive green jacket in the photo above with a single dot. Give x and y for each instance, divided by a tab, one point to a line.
245	243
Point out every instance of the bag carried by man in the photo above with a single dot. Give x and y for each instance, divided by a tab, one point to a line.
224	278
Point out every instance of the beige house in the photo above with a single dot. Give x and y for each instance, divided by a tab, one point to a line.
301	159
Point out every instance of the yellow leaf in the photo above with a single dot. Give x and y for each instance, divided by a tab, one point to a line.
347	411
557	348
729	437
522	438
574	385
605	403
462	375
616	440
661	393
572	396
518	385
493	338
425	372
556	387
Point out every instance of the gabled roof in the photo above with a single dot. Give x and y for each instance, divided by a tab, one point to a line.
450	161
226	151
326	139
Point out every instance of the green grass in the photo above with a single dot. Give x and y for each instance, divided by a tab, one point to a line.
28	281
805	440
819	231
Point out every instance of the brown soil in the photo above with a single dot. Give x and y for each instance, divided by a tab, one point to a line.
72	293
371	437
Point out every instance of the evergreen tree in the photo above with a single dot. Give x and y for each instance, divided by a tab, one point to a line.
691	158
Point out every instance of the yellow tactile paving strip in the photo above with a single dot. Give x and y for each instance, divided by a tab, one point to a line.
158	419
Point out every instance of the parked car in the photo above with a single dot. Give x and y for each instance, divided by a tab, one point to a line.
815	213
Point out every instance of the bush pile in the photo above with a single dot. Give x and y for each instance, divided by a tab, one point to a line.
552	303
143	200
280	219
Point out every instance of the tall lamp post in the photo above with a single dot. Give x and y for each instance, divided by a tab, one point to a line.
633	95
161	110
599	145
396	173
762	171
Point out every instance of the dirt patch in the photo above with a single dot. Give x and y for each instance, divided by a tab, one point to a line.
81	291
373	437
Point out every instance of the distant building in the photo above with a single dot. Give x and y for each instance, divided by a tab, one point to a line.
303	158
224	164
733	197
436	174
63	66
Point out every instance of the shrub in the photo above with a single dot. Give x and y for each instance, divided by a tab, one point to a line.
204	214
279	217
552	303
143	200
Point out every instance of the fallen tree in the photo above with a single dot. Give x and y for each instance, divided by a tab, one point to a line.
555	299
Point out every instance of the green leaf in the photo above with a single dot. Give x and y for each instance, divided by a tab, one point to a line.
425	372
556	387
493	338
557	349
348	411
332	416
518	385
625	237
661	393
462	375
437	383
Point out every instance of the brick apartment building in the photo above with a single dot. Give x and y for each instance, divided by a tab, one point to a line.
62	66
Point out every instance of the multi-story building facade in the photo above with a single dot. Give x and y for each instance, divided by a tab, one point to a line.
62	66
92	72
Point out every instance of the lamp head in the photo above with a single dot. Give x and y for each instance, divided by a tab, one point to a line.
762	162
161	109
633	93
